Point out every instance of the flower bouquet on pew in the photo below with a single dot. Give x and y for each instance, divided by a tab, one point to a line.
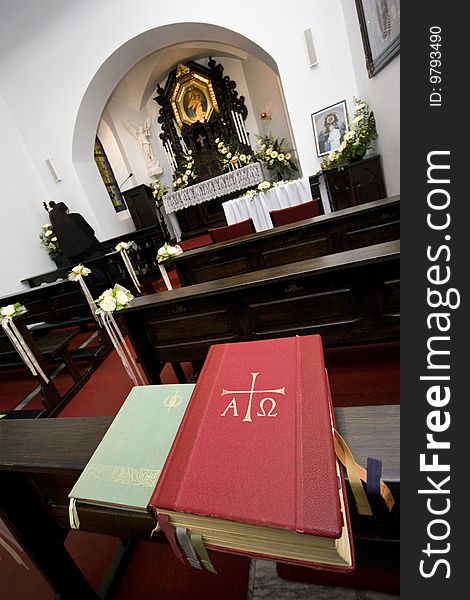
167	251
114	299
12	310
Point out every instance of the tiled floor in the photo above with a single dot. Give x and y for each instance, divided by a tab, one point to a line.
264	584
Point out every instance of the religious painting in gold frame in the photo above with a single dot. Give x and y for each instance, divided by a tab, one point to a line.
193	98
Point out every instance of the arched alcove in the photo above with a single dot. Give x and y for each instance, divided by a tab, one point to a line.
182	41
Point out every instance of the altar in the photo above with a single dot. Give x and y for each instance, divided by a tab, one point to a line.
258	207
221	186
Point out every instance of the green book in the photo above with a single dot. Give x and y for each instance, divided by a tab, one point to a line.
127	463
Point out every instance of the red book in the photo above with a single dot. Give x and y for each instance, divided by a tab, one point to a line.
252	467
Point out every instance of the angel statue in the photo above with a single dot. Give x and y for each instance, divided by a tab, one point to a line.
142	135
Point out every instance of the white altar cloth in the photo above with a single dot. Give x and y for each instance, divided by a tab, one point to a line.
222	185
259	206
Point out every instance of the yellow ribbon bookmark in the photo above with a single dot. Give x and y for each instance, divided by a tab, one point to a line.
355	474
198	545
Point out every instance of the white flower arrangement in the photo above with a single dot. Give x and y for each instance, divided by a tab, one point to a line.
114	299
264	186
79	271
159	190
275	156
125	246
186	173
49	239
167	251
356	141
231	153
12	310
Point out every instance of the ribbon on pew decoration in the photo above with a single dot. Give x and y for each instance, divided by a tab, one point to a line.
7	314
112	300
9	543
77	274
164	253
123	247
166	279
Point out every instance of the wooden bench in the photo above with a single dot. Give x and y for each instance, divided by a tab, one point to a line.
349	297
55	307
41	460
106	270
48	350
346	229
144	259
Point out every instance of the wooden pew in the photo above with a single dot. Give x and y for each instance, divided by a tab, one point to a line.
51	307
57	302
106	271
349	298
148	241
41	460
47	351
346	229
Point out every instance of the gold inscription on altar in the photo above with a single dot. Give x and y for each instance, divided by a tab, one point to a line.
122	475
267	405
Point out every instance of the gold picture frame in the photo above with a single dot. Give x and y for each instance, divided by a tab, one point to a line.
193	98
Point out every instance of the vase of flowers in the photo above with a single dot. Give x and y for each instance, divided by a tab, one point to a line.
49	241
232	154
276	157
356	141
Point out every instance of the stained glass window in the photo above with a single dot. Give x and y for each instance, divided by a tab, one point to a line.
108	178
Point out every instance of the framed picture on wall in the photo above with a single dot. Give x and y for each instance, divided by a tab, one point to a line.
329	126
379	21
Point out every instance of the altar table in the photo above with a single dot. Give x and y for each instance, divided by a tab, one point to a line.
258	207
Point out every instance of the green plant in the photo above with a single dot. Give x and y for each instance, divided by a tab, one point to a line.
357	140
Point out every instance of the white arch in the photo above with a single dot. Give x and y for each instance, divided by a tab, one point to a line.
130	53
111	72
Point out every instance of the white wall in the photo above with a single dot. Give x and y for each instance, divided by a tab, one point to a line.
56	80
22	212
382	92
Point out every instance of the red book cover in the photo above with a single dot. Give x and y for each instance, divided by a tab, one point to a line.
256	444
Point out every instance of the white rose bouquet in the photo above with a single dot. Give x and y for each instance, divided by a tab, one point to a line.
167	251
114	299
79	271
12	310
125	246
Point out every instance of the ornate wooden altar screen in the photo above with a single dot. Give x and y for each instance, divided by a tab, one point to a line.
199	105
